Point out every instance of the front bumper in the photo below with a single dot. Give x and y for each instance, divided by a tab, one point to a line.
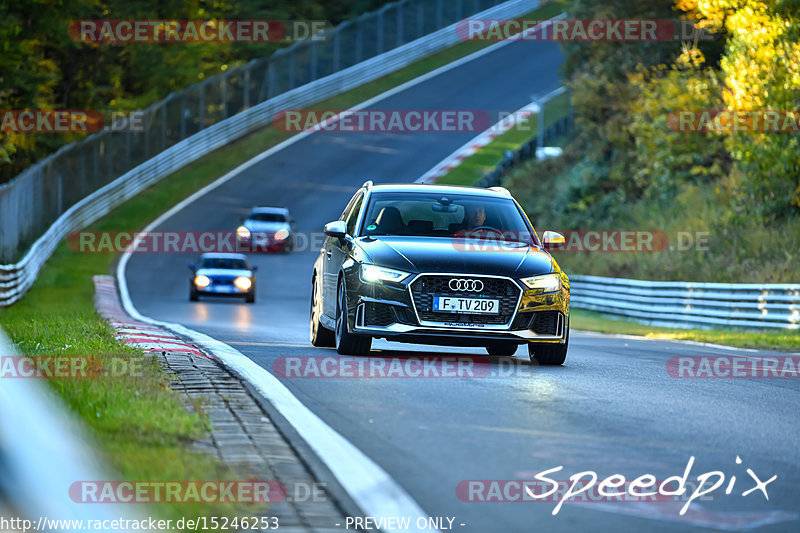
261	243
400	312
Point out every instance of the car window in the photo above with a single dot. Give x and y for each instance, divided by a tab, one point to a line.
437	215
224	263
267	217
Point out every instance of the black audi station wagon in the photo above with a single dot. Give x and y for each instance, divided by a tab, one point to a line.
436	264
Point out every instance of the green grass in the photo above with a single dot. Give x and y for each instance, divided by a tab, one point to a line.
487	158
593	321
140	424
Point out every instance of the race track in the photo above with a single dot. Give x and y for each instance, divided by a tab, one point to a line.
612	409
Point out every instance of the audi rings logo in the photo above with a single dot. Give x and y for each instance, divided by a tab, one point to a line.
466	285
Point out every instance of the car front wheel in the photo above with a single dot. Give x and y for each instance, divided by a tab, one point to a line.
346	342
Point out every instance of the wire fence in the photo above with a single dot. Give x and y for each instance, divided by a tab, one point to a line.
36	198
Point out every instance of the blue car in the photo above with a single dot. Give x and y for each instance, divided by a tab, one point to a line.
223	274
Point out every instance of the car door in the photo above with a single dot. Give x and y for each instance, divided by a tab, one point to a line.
334	255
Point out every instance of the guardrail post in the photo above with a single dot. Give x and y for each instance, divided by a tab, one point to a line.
291	69
246	90
183	115
164	126
314	55
420	20
60	197
128	157
337	50
359	40
148	122
379	33
109	155
223	95
400	17
202	111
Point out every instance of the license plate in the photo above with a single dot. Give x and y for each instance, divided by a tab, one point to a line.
224	288
473	306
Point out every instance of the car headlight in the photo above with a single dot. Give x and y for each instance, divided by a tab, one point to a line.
243	283
548	283
372	274
281	234
202	281
242	232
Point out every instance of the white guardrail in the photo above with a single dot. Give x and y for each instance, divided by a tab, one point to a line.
43	451
16	279
690	305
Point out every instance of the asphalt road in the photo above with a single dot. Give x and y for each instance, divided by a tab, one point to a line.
612	409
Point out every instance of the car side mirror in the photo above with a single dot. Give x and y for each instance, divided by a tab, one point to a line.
254	268
192	267
551	239
336	229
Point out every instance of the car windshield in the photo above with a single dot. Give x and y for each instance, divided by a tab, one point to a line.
267	217
224	263
445	215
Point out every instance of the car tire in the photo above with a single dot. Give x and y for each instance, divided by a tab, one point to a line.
288	247
347	343
321	336
549	354
501	349
251	297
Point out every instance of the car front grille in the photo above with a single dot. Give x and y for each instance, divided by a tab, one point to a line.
376	314
425	287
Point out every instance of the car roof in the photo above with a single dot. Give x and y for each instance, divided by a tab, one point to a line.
439	189
266	209
222	255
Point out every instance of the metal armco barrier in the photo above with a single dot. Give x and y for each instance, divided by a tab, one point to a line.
44	450
43	192
690	305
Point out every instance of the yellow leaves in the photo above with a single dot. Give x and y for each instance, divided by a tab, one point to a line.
690	57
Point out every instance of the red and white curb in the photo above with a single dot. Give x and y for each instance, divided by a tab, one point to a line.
482	139
137	334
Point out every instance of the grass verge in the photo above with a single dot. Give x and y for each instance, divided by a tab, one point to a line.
488	157
141	426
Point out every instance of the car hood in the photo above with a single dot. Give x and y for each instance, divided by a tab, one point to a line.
458	256
223	273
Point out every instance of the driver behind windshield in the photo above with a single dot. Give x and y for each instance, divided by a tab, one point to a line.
474	217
